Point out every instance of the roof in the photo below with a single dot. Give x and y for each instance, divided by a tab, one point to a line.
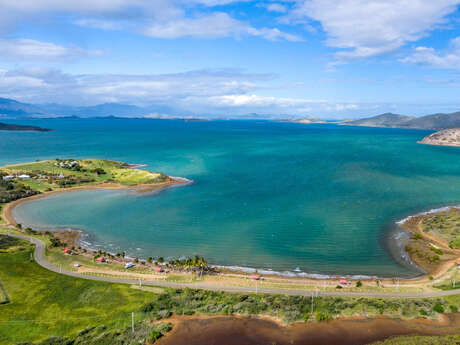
158	269
100	258
255	276
342	281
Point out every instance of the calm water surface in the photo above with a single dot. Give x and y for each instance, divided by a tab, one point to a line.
317	198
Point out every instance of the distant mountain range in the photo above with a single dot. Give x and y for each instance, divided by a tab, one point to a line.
434	121
10	108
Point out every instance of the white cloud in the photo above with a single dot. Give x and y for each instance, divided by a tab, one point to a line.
430	57
276	7
167	19
260	101
365	28
24	49
274	34
215	25
218	92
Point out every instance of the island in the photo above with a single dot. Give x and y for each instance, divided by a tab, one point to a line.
13	127
446	137
389	120
307	120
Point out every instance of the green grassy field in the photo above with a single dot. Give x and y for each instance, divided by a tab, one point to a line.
45	304
445	226
87	171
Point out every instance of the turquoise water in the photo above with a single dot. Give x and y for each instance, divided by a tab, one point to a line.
317	198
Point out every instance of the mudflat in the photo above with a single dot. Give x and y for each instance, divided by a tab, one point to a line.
253	331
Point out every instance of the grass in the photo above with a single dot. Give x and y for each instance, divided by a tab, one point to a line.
445	226
45	304
421	340
90	171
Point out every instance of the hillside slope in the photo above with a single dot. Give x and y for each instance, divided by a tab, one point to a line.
446	137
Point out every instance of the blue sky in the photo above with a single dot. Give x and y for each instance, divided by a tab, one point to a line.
320	58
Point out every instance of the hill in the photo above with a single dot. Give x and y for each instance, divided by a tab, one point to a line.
389	120
13	127
446	137
12	108
383	120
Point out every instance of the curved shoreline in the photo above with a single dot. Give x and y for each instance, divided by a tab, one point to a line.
286	275
141	188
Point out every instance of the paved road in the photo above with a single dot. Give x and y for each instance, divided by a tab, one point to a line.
39	256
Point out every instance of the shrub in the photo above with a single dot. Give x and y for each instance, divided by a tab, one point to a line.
418	237
453	309
154	336
338	287
439	308
359	284
323	316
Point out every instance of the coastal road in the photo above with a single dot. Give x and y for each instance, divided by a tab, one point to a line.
39	255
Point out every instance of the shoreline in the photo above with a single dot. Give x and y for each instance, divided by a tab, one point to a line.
7	214
245	271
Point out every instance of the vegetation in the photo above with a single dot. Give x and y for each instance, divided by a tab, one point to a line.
13	190
12	127
445	226
44	304
421	340
61	173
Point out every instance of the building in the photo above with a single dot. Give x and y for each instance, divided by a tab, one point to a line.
8	178
24	177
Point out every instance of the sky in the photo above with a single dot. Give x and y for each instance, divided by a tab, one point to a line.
331	59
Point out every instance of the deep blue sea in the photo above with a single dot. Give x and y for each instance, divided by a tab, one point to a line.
280	196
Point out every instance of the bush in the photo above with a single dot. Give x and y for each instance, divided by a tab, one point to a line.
453	309
359	284
418	237
154	336
439	308
323	316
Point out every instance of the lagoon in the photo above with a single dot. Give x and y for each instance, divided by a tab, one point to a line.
318	199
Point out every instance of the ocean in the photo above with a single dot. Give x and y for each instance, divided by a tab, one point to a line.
280	197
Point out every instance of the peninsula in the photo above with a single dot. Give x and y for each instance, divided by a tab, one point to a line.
446	137
13	127
40	178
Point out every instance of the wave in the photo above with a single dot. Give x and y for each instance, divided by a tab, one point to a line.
297	273
432	211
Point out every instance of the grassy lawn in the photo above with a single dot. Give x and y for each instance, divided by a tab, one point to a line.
45	304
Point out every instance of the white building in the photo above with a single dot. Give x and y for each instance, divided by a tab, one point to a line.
8	178
24	177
